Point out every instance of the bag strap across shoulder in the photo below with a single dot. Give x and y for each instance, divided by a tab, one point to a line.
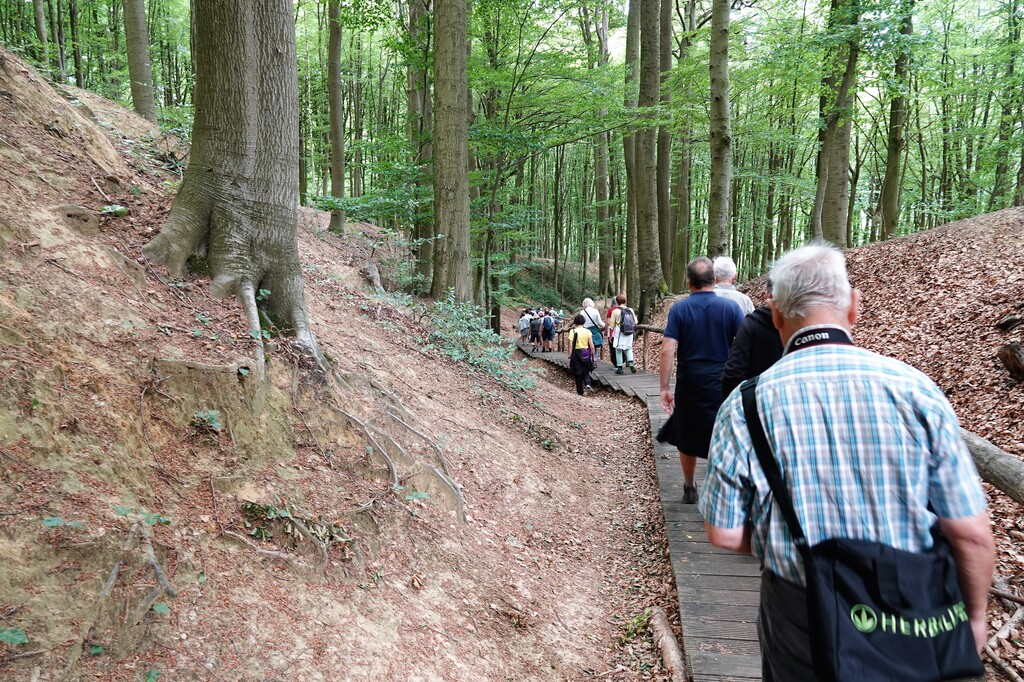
771	468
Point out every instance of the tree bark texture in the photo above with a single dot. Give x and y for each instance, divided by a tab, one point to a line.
336	111
237	202
651	274
39	9
897	141
605	228
666	225
721	132
420	109
1012	358
828	215
629	146
140	72
997	467
451	151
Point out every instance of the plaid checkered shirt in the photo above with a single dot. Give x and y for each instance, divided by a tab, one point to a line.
864	443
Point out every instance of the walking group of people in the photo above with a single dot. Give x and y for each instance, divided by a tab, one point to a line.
538	327
843	471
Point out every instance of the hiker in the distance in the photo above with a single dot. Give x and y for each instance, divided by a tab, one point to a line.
623	326
547	332
535	326
608	332
524	327
594	323
582	354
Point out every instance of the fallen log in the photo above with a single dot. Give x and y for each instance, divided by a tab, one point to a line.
997	467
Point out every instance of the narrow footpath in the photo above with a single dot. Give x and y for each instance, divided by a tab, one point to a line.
718	590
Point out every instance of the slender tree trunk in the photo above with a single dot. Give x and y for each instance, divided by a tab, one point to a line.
139	70
1008	106
451	151
629	146
237	204
666	225
336	112
828	216
420	116
76	43
652	279
897	142
39	11
721	132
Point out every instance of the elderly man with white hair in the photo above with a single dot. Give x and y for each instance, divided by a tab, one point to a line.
868	448
725	284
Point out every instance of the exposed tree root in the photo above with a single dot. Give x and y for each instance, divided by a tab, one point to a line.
247	297
273	554
358	424
437	450
665	639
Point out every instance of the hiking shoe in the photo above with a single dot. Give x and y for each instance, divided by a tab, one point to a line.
618	370
632	367
689	494
588	389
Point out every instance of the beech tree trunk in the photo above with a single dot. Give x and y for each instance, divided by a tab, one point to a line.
996	467
721	132
451	152
420	126
140	72
336	112
651	274
629	145
666	226
39	10
237	204
828	215
897	141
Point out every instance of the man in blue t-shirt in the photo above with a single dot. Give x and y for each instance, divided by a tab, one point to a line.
701	327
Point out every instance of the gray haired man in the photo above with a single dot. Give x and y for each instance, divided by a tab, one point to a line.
869	449
725	284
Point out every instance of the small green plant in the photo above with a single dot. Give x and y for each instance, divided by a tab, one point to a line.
417	495
262	295
134	190
151	676
202	318
147	517
57	522
96	649
161	608
13	636
636	628
114	210
207	420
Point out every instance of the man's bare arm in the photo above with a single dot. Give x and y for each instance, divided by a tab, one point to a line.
974	551
732	539
667	366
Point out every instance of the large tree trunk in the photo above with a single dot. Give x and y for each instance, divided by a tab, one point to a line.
136	41
39	9
336	112
76	43
721	132
420	125
629	146
451	152
237	203
605	285
666	226
651	274
897	141
828	215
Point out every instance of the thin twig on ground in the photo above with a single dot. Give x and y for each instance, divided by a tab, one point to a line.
1002	665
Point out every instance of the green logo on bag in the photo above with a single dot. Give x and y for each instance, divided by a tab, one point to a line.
864	618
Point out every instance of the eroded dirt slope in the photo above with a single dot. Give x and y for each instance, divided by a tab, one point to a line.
522	540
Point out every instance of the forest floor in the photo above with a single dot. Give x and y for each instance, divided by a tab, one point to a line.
133	434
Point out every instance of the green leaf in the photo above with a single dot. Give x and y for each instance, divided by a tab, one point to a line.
197	332
201	578
13	636
151	676
53	521
417	496
115	210
255	333
96	650
162	608
122	511
244	371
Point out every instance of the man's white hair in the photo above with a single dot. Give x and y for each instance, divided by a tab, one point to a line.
809	278
588	303
725	268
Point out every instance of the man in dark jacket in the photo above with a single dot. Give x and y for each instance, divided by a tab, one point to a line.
756	348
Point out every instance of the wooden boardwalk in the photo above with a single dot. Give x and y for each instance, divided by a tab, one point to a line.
718	590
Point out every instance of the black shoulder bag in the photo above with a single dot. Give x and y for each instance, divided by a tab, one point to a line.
874	612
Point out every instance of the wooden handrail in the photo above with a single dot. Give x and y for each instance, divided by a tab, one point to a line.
645	329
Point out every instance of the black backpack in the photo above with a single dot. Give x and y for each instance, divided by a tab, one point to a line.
627	323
